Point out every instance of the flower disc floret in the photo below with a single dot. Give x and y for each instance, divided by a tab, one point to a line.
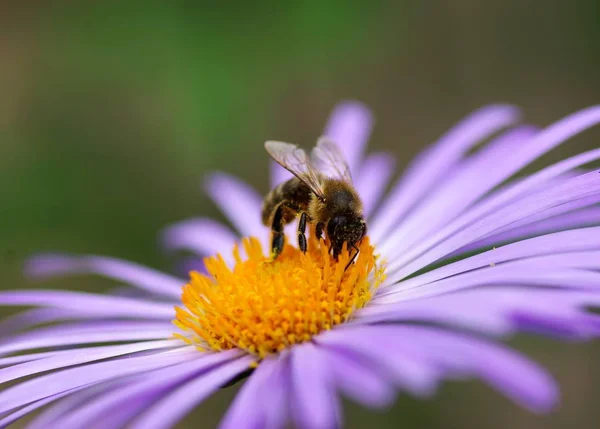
264	306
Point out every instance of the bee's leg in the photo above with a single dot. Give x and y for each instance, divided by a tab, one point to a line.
319	230
278	239
301	232
353	256
335	251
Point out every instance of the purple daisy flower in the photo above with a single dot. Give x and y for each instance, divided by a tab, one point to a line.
461	252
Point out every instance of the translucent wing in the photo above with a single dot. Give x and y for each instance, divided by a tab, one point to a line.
329	160
295	160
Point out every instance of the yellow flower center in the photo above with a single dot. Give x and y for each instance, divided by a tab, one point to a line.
263	306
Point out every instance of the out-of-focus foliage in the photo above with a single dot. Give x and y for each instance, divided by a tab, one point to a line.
112	112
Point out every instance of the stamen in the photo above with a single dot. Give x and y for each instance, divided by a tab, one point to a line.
265	306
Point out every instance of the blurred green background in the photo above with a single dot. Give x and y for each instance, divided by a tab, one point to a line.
112	112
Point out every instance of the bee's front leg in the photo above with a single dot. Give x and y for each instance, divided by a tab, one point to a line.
301	232
278	239
353	246
319	230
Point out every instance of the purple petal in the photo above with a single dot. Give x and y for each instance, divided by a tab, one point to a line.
581	218
246	411
350	127
458	354
358	379
473	178
553	212
510	194
515	376
568	327
547	178
556	243
315	403
79	356
171	408
51	416
102	305
532	184
536	218
111	415
373	178
202	236
516	273
36	316
138	394
41	387
498	311
12	360
51	265
13	417
64	335
571	190
433	165
399	366
185	265
239	202
544	140
277	409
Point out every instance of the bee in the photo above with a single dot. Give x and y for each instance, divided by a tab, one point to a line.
321	193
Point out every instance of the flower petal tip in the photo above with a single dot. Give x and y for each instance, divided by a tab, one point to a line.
46	265
541	395
546	404
349	115
354	108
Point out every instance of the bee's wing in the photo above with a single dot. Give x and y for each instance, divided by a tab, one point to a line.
295	160
330	161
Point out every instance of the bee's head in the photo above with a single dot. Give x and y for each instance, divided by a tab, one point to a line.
345	229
